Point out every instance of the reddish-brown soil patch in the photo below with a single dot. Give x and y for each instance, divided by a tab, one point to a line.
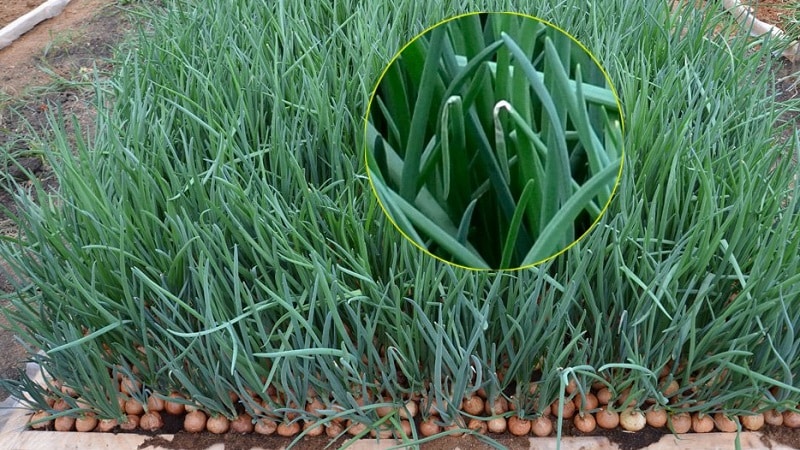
9	11
776	12
82	34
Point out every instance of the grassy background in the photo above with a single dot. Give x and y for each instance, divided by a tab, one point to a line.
221	218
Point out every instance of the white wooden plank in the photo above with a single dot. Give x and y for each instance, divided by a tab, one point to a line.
24	23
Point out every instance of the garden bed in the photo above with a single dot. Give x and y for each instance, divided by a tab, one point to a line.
366	319
15	434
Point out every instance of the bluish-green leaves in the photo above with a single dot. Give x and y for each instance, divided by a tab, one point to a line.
503	134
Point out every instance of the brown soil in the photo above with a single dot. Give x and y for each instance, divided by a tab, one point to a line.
625	441
79	41
783	435
776	12
16	9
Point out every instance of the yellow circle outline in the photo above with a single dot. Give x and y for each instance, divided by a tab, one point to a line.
610	86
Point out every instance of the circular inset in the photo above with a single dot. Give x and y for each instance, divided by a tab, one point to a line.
494	141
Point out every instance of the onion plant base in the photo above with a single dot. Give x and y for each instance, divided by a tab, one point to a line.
16	432
171	434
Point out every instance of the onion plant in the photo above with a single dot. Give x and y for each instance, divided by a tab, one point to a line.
494	140
216	232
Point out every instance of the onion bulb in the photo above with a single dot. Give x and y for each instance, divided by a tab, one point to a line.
37	416
429	427
405	425
383	411
454	427
291	415
67	390
218	424
121	399
106	425
85	423
151	421
632	420
702	423
752	422
243	423
513	404
155	403
542	426
131	423
314	406
497	425
82	404
681	423
313	428
195	421
64	423
607	419
656	417
133	406
288	429
571	386
128	386
355	428
409	411
625	399
603	396
584	422
472	405
518	426
265	426
435	406
791	419
773	417
586	402
724	423
333	429
60	405
382	432
670	389
175	407
497	407
478	426
569	409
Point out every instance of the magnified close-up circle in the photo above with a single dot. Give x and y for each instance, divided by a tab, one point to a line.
494	141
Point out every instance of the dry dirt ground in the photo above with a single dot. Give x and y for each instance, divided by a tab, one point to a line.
35	75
